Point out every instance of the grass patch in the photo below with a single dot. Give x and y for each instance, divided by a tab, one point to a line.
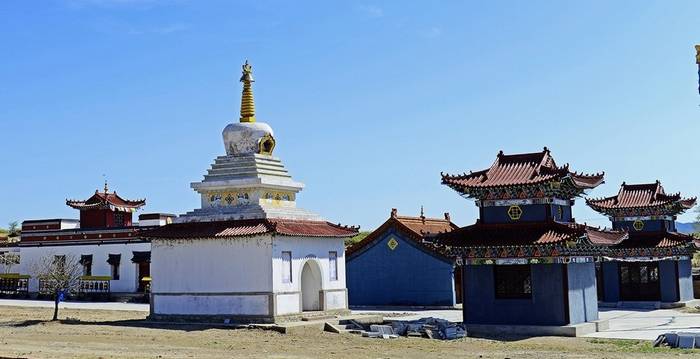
637	346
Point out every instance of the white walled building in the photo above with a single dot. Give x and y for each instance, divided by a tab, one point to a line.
114	257
249	253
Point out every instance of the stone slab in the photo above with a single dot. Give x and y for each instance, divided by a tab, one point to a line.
573	330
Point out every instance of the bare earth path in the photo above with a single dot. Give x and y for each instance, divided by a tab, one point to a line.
25	333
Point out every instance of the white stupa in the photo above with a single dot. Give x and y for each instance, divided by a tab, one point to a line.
248	182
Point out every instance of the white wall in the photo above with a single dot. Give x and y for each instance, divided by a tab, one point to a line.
211	265
304	249
212	276
128	272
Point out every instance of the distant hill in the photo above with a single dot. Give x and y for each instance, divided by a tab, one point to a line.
687	228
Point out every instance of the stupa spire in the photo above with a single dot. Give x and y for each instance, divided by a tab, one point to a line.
247	101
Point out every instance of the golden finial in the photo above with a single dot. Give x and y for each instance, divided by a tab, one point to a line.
247	102
106	188
697	55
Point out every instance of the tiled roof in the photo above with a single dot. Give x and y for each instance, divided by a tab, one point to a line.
104	199
639	196
656	240
416	228
521	169
519	234
249	227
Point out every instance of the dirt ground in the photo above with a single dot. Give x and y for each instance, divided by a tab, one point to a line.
26	333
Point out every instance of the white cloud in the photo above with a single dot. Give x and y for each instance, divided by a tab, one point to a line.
371	10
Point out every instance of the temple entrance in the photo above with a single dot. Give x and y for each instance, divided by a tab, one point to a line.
639	281
144	270
458	284
311	286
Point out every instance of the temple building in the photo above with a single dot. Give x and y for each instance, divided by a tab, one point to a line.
248	254
654	263
399	265
527	265
115	258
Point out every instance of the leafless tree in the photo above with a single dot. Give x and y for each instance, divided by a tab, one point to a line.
57	273
8	260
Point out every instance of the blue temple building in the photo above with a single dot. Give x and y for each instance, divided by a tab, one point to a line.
526	262
653	263
398	265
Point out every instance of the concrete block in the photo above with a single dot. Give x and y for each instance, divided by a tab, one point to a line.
602	324
573	330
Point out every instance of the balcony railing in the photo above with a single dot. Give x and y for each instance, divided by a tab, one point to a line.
14	284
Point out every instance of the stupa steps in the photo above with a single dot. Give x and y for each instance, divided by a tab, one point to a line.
247	166
245	174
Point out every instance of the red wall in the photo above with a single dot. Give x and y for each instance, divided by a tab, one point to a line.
101	218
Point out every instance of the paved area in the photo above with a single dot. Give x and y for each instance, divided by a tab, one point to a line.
646	324
77	305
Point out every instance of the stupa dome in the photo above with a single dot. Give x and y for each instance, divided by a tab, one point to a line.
248	136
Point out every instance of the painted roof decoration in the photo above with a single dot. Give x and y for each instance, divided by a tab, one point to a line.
532	233
642	199
537	170
250	227
416	228
107	200
528	241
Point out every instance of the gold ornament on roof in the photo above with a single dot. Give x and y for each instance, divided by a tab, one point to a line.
247	101
697	55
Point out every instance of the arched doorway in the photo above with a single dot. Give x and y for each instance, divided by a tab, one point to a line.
310	286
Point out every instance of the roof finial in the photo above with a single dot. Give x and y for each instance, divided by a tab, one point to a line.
697	55
422	213
247	102
106	187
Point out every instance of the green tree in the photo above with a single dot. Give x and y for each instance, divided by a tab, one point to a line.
358	237
14	229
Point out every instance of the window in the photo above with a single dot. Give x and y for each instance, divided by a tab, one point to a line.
286	267
512	281
86	262
60	263
119	219
333	264
115	271
113	260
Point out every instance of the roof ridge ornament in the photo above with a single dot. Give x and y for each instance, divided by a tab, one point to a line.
247	100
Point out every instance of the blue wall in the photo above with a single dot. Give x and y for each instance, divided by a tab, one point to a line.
668	281
670	285
611	282
685	279
531	213
547	305
649	225
407	275
583	293
545	308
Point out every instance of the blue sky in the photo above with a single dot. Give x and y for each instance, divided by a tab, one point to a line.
369	101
